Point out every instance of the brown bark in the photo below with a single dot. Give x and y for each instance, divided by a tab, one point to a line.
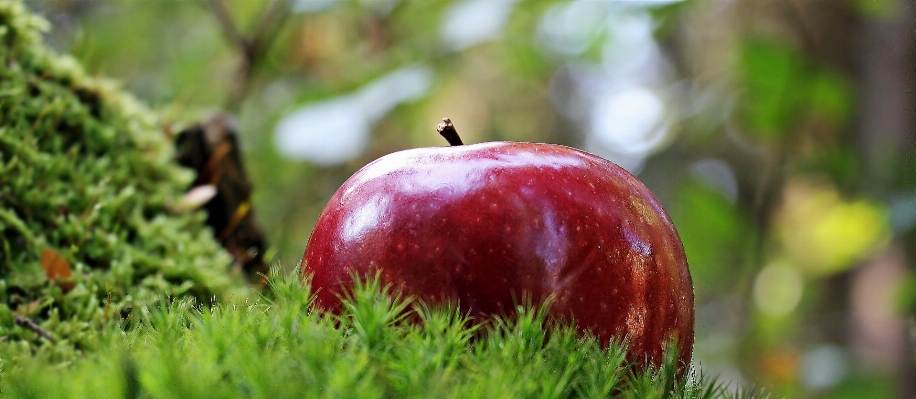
886	130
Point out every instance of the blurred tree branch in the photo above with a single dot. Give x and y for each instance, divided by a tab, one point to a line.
251	48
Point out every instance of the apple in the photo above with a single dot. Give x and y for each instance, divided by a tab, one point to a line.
485	224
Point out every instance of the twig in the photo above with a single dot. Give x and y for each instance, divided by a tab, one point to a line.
252	48
30	324
269	25
227	23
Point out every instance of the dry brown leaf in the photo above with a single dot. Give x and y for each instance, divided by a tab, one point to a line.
57	268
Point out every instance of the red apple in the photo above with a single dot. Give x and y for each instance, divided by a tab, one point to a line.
484	224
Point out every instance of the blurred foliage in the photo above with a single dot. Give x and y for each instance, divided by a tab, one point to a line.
794	229
714	233
775	86
779	87
827	235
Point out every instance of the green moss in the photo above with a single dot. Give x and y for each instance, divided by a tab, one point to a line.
379	347
86	172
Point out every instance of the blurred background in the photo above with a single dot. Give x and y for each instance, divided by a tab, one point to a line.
780	135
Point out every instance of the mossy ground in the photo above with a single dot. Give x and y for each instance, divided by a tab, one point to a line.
86	181
279	346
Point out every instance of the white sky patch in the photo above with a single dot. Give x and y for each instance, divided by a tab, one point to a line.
326	133
471	22
629	121
719	175
335	131
630	49
618	103
632	163
571	28
407	84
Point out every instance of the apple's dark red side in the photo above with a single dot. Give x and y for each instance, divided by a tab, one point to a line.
485	224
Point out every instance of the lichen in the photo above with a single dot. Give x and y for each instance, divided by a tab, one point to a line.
86	175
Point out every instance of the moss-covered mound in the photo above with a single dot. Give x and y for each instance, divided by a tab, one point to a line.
86	183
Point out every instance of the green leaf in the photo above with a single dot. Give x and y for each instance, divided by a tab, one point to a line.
773	87
878	9
713	231
830	97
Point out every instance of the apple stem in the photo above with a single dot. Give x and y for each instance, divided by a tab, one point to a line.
447	130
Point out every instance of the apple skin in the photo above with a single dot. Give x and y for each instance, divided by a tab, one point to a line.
484	224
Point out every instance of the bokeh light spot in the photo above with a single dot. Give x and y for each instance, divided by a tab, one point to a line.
778	289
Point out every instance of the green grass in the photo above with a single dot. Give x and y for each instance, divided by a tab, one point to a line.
379	347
